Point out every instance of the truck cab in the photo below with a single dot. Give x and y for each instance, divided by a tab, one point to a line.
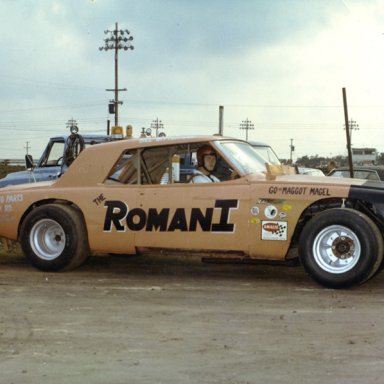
56	158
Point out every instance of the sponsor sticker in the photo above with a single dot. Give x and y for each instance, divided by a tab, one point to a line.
254	211
287	207
254	220
270	212
274	230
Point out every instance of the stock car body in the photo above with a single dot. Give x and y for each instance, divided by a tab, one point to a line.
113	199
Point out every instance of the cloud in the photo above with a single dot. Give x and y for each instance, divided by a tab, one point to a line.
281	64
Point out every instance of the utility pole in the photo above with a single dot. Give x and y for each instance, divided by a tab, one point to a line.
221	120
247	125
157	124
352	126
347	131
27	147
117	39
292	149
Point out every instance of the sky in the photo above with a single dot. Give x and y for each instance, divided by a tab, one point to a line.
281	64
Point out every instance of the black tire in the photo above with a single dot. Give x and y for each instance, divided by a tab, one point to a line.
53	237
340	248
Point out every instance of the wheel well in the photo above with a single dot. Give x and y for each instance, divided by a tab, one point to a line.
321	205
45	202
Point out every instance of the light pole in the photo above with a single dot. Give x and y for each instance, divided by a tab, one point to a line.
292	149
116	40
247	125
352	126
72	125
157	124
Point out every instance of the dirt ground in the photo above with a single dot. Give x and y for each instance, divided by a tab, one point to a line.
167	319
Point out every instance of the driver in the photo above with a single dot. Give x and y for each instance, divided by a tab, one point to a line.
206	160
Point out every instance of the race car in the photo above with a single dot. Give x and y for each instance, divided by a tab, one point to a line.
127	196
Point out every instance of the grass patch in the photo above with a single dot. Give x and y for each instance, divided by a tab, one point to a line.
5	169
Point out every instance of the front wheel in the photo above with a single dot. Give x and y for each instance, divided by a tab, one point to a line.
341	247
53	237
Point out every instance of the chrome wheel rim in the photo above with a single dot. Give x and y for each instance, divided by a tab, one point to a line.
336	249
47	239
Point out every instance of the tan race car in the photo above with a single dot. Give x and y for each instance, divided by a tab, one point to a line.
136	194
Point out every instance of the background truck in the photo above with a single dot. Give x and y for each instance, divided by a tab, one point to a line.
56	158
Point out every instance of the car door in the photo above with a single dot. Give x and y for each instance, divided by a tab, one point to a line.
140	211
208	216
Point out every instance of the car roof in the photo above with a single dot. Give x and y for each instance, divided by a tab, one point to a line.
258	143
378	169
85	136
362	167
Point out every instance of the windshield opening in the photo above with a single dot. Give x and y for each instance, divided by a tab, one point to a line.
243	156
268	154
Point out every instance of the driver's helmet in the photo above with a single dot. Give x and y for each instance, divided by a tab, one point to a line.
204	151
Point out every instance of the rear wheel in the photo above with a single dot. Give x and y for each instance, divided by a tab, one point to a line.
53	237
341	247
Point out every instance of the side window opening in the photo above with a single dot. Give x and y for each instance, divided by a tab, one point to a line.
142	166
155	163
54	154
161	165
125	170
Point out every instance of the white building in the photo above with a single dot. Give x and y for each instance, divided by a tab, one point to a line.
364	155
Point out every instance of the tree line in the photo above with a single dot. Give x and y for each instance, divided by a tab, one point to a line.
321	162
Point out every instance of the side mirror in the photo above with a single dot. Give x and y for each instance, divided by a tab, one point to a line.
29	162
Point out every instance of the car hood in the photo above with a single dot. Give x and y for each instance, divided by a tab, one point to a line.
301	178
355	189
25	186
16	178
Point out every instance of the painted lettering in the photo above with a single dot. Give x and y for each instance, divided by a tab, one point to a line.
226	206
99	199
319	191
157	220
136	219
119	217
116	212
8	208
293	190
16	198
272	190
204	221
178	221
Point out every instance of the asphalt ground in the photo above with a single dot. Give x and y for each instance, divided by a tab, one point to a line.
172	319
